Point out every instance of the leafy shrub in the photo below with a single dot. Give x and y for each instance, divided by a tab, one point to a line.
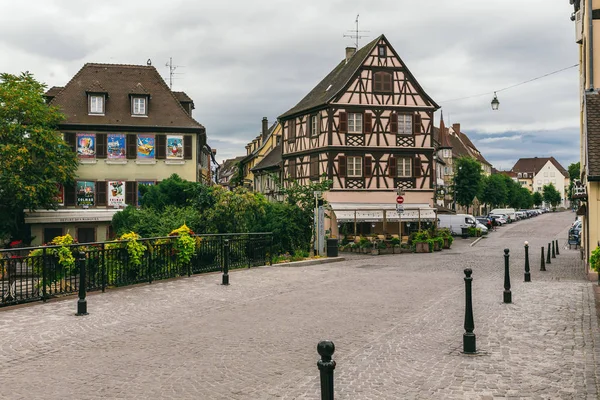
395	241
595	259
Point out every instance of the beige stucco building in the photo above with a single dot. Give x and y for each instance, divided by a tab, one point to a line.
129	130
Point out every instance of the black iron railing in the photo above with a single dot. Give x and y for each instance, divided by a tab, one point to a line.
34	274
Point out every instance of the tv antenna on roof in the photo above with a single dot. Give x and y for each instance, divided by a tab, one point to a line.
356	33
172	73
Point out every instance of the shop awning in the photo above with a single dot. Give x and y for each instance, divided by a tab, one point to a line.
361	212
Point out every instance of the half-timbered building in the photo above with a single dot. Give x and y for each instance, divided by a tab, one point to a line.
368	127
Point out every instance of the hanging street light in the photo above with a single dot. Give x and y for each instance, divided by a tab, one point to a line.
495	102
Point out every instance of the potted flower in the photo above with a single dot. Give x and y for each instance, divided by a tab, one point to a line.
364	244
421	242
395	242
446	236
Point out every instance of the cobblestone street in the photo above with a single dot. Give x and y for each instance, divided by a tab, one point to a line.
396	321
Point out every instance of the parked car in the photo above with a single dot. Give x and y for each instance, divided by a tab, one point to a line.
487	222
500	218
509	212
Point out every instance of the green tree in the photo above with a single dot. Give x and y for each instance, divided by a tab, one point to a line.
551	195
34	158
574	174
172	191
467	180
493	190
537	199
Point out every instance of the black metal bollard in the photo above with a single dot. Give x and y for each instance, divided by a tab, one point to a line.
507	292
548	260
553	250
226	248
82	302
527	274
326	365
469	339
543	264
557	252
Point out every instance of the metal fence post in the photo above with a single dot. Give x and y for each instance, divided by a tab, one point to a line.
469	339
82	302
103	270
527	274
326	365
507	292
271	250
44	260
542	263
226	246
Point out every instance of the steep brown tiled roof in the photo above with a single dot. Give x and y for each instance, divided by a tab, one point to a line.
118	82
228	167
183	97
53	91
592	110
271	161
337	79
535	164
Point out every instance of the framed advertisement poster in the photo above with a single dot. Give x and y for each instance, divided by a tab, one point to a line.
174	147
60	196
116	194
115	147
85	193
86	145
145	146
139	192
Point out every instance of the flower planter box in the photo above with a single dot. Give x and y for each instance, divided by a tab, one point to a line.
422	247
387	250
437	246
446	243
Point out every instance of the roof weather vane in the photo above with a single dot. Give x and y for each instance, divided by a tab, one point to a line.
356	33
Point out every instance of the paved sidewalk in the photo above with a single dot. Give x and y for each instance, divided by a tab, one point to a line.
396	321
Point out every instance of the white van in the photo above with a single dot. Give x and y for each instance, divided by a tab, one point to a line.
509	212
456	222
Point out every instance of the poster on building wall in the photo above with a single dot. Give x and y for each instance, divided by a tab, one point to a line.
175	147
116	194
85	193
86	145
139	185
145	146
60	197
115	147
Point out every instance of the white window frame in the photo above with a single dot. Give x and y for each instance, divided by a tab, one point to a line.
355	119
404	167
354	167
314	125
139	106
405	124
95	100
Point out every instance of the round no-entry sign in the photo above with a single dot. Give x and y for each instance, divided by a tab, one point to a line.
399	200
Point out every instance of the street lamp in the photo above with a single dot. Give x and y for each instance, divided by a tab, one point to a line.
495	102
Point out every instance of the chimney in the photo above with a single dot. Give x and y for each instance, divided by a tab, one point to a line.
349	53
456	128
265	128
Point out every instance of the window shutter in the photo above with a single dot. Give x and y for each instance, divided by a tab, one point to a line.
377	82
387	82
368	122
392	167
314	167
131	140
417	122
342	166
100	145
69	194
292	130
343	128
394	123
161	147
368	167
417	169
130	193
71	140
101	193
187	147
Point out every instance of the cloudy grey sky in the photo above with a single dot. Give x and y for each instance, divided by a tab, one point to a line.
242	60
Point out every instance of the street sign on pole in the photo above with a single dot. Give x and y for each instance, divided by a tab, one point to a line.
400	192
399	208
399	200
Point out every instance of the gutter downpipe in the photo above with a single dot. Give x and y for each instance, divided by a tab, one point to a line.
591	44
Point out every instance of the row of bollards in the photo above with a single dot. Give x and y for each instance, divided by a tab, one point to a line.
469	338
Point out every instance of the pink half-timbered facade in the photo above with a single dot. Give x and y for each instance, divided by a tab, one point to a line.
368	127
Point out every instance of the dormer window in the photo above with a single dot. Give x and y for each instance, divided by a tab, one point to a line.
139	106
96	104
381	51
